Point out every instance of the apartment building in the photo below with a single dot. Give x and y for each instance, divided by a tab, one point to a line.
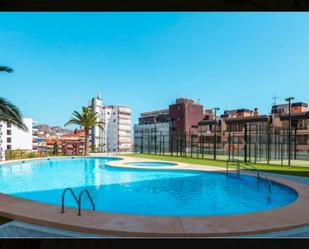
13	138
236	129
242	132
68	144
299	124
116	135
157	129
184	116
154	123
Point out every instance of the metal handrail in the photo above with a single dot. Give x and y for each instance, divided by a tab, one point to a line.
63	195
237	163
80	198
263	178
270	187
255	169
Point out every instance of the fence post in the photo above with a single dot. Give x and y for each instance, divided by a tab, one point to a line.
163	144
268	144
181	146
245	141
148	144
255	152
160	136
155	150
233	154
198	146
191	143
171	144
229	146
202	141
295	143
249	142
142	142
281	153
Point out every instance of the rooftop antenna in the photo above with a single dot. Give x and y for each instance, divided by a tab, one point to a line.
275	99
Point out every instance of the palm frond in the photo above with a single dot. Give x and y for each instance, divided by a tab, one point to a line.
6	69
72	121
10	113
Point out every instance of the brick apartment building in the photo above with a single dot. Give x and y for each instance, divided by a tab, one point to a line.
241	131
185	115
162	126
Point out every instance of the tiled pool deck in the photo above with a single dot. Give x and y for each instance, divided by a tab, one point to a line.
293	218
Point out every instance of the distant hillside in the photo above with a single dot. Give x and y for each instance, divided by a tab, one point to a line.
52	130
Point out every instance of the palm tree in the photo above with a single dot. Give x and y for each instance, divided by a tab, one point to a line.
6	69
8	111
86	119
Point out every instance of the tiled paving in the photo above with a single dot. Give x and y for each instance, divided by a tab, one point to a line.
302	232
16	229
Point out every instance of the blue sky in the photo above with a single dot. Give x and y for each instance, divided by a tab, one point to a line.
146	60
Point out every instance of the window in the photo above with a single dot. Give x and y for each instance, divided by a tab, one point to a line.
8	132
8	146
114	120
8	125
8	140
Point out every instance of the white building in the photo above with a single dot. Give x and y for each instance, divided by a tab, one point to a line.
13	138
116	135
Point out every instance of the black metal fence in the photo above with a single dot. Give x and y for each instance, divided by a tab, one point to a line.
254	143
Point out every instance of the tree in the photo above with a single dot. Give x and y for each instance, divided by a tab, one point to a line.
8	111
92	148
56	148
87	119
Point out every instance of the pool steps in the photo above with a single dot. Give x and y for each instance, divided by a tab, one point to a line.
238	167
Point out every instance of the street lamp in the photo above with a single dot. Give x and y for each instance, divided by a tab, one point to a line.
215	137
289	137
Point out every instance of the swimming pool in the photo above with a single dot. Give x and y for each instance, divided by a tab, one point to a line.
151	164
140	191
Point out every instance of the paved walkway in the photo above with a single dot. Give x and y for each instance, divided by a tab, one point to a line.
15	229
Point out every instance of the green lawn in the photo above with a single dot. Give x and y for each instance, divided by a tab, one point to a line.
278	169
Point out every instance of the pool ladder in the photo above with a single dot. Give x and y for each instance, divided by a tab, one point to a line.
78	201
238	167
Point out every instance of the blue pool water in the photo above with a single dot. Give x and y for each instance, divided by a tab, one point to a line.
152	164
140	191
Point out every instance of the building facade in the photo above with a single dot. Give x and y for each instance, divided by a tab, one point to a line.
13	138
116	133
185	115
156	124
67	144
160	129
241	132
